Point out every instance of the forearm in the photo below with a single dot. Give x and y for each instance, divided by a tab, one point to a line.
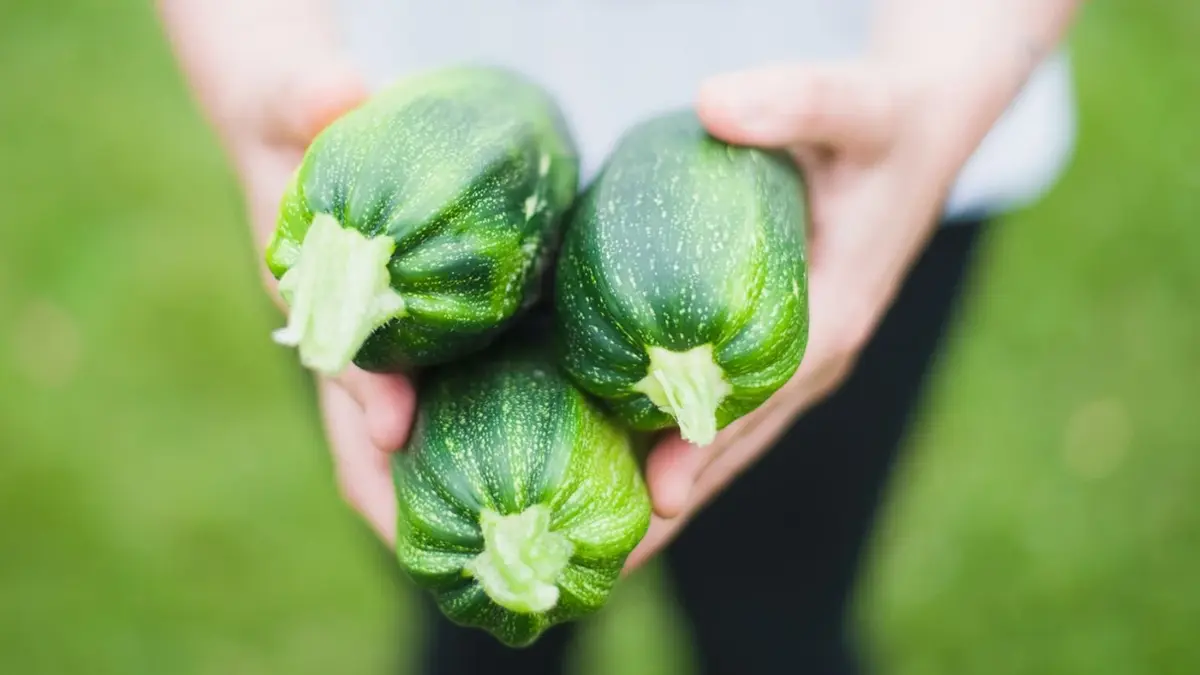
233	51
969	59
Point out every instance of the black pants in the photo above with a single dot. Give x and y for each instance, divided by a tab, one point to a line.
804	513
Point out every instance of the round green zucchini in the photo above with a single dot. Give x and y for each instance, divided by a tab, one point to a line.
420	224
681	287
519	499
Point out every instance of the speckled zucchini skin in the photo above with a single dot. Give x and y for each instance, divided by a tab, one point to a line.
505	430
469	169
682	241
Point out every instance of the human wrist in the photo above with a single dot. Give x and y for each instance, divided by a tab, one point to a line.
963	62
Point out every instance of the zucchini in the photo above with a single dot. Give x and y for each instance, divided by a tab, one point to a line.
419	225
682	287
519	498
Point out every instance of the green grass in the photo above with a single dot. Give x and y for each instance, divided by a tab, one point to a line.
1045	520
166	497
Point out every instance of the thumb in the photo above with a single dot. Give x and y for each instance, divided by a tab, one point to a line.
674	466
671	471
843	106
310	100
388	402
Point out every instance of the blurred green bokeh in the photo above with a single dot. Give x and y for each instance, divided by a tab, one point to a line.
166	494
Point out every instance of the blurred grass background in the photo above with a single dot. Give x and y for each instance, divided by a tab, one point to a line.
164	487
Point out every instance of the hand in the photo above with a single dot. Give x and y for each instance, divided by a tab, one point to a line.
366	415
877	171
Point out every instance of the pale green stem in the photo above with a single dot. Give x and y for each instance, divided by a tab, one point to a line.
689	386
339	292
521	560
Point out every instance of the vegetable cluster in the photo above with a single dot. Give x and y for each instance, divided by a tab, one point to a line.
441	226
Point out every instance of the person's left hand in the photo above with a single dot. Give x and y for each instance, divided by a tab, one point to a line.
367	416
877	167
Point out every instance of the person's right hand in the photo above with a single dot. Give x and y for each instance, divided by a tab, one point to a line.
366	415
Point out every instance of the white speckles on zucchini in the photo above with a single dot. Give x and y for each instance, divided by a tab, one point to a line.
532	204
546	483
462	168
681	286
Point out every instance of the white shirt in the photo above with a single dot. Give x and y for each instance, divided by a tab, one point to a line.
611	63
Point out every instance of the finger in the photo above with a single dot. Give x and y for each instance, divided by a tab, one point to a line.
673	466
682	477
676	467
671	469
305	104
388	403
740	455
783	106
363	471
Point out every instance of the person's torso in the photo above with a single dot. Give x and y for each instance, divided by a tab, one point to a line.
611	63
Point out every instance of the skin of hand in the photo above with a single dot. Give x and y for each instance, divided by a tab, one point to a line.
366	415
880	142
878	146
269	75
874	191
842	124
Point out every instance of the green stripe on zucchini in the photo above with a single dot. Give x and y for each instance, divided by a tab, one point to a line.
519	499
419	225
681	288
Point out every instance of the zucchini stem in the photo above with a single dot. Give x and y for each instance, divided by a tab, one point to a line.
521	559
689	386
339	291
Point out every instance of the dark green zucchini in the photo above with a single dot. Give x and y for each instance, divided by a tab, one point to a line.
682	284
419	225
519	499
